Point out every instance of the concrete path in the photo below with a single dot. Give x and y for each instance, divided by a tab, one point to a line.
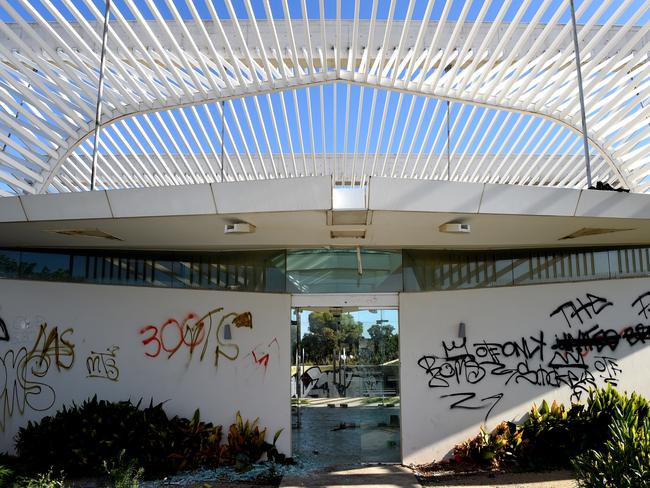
382	476
553	479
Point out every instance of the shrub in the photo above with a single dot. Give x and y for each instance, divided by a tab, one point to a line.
552	436
122	439
43	480
5	475
246	444
196	444
495	449
123	474
81	440
624	459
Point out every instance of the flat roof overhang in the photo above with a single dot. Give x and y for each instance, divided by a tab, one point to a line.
297	213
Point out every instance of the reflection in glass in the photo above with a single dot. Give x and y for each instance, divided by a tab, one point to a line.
345	385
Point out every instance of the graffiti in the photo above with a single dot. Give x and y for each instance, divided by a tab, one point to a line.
467	396
593	305
643	301
598	339
261	356
316	381
22	372
194	332
103	364
172	335
533	360
52	347
4	333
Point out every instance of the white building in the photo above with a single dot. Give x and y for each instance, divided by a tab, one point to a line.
251	158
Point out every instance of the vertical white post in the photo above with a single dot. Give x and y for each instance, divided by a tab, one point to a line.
585	137
100	89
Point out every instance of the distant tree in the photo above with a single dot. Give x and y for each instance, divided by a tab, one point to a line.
383	344
328	335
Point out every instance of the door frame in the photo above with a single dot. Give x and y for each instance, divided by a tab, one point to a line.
352	300
362	300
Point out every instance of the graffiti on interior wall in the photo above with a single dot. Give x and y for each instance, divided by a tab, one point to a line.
580	357
22	372
194	333
319	382
103	365
4	333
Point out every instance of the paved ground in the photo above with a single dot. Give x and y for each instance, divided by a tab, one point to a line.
553	479
394	476
384	476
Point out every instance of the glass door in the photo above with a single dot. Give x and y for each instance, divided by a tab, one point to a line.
345	385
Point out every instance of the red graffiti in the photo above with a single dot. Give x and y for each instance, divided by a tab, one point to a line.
261	358
172	335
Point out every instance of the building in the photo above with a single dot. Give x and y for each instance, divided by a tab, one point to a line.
243	160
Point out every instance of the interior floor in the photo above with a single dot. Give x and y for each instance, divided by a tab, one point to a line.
339	436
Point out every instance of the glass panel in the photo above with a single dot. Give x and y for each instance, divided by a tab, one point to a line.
337	271
348	360
9	263
323	271
79	268
45	266
162	273
181	274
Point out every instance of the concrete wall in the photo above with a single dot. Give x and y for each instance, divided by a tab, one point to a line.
522	345
116	342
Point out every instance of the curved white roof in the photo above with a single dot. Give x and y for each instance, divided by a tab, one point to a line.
467	91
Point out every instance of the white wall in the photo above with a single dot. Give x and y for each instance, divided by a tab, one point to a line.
488	369
101	317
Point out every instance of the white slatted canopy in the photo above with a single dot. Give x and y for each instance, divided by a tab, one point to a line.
230	90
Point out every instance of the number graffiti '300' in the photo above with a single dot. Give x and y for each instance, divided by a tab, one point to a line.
194	332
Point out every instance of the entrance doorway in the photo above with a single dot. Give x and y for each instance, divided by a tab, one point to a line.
345	391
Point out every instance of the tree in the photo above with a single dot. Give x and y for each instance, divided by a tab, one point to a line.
383	344
328	335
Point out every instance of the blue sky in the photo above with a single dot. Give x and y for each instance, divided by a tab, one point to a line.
347	9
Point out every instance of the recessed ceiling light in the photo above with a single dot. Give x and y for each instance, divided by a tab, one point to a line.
350	234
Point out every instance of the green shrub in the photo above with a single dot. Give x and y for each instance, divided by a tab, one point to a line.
43	480
196	444
6	474
246	444
624	459
79	440
119	437
123	474
551	436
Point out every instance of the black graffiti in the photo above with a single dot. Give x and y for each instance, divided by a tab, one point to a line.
103	364
518	349
643	304
588	340
565	361
455	368
598	339
20	389
634	335
4	333
609	369
593	305
315	378
467	396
